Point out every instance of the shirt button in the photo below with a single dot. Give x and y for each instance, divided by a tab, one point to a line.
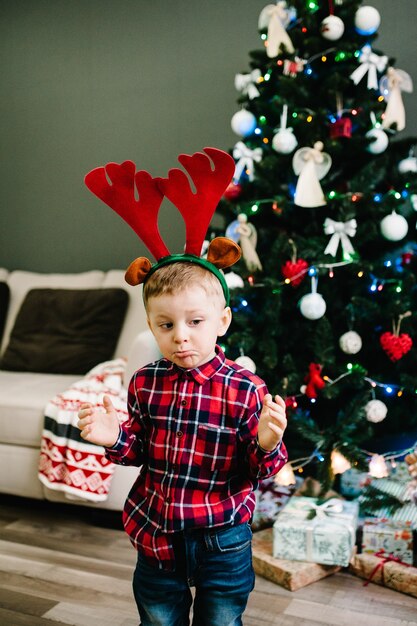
179	433
183	402
168	500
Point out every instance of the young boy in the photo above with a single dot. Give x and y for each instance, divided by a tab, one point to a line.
204	431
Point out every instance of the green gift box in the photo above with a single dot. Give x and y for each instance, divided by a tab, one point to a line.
308	529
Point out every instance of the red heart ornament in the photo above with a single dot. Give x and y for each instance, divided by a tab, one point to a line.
395	345
295	268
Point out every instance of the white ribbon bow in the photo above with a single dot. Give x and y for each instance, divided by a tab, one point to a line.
245	157
340	231
330	507
371	63
246	83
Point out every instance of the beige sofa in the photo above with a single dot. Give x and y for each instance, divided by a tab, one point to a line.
24	395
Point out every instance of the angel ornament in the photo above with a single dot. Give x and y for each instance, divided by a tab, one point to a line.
391	85
310	165
276	17
247	239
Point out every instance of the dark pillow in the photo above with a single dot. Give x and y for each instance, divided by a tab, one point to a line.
4	305
65	331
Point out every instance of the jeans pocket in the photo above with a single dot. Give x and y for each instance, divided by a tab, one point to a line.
233	539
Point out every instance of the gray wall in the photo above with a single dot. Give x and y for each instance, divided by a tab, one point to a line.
85	82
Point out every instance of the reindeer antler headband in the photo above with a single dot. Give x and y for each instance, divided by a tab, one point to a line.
116	186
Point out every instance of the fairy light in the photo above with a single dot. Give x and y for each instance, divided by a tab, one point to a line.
339	463
265	140
377	466
309	118
324	58
285	476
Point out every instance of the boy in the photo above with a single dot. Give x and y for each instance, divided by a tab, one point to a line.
204	431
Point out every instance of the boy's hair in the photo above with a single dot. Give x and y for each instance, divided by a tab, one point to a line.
177	276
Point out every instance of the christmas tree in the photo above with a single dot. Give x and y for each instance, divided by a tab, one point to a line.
324	299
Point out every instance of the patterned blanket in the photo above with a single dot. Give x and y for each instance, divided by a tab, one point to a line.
67	462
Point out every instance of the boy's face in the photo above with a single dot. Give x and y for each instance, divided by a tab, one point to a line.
186	325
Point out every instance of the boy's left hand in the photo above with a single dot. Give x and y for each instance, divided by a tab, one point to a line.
272	422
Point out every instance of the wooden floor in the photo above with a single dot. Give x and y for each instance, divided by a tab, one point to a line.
66	565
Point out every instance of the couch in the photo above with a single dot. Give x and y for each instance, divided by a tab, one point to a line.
24	394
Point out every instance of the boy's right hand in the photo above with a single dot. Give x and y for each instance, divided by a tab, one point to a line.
97	426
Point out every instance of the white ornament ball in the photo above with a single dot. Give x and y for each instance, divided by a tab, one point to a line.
375	411
379	140
408	165
243	123
284	141
367	20
247	363
332	27
350	342
312	306
394	227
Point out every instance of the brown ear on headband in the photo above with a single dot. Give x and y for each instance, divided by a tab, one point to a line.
137	271
223	252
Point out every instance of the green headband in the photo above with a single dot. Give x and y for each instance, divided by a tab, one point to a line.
175	258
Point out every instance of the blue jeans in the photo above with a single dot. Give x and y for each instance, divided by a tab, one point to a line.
217	562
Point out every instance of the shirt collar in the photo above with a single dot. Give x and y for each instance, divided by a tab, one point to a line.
199	374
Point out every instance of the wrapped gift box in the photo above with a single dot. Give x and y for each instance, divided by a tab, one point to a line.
398	489
270	499
388	573
392	537
292	575
308	529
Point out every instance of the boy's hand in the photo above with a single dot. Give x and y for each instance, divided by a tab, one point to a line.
272	422
98	426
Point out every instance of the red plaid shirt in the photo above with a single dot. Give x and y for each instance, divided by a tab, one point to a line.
194	432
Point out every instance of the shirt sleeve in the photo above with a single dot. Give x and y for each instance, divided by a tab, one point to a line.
130	447
260	463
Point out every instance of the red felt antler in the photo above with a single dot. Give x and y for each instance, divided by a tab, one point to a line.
115	185
197	207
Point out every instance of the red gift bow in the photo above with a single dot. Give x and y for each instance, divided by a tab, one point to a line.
386	558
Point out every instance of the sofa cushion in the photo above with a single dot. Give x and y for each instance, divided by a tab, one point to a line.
23	398
65	331
20	282
4	305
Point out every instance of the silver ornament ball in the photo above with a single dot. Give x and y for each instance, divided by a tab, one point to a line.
375	411
379	141
246	362
367	20
312	306
284	141
350	342
332	28
243	123
394	227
